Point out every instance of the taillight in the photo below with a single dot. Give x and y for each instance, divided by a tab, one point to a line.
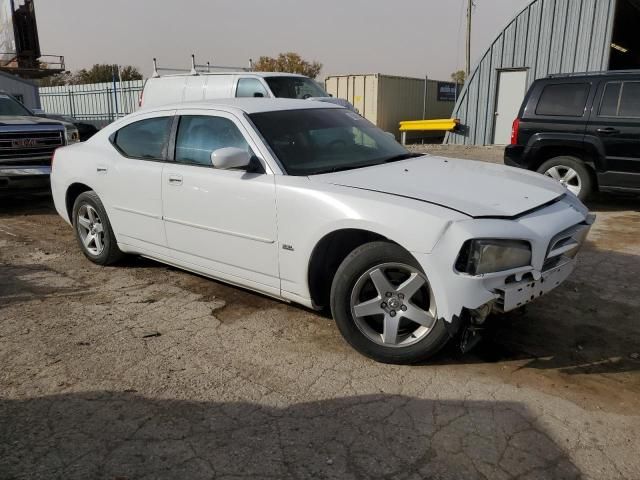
515	130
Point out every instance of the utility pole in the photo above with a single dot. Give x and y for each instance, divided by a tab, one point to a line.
468	51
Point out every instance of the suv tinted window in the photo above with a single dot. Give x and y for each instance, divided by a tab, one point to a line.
610	99
563	100
630	100
250	87
144	139
199	136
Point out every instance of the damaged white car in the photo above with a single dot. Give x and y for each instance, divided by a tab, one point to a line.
310	203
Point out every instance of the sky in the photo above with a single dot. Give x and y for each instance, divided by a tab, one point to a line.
408	37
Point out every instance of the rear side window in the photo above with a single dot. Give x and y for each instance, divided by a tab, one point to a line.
610	100
250	87
563	100
144	139
199	136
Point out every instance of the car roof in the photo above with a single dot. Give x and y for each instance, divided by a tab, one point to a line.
590	75
244	105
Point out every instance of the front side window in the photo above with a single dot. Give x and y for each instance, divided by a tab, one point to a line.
250	87
144	139
314	141
199	136
295	87
564	100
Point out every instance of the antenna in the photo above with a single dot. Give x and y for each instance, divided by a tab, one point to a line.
193	65
208	67
155	69
251	64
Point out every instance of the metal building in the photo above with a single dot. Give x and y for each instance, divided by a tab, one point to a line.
24	90
547	37
386	100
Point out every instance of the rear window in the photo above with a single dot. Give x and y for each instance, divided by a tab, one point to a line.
144	139
563	100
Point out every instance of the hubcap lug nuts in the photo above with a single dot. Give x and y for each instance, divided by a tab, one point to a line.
389	294
392	313
383	305
403	308
401	296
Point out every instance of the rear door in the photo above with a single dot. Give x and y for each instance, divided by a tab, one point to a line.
615	124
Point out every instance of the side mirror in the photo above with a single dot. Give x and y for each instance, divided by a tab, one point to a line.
258	95
230	157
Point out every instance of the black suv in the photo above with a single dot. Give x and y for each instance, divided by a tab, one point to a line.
583	130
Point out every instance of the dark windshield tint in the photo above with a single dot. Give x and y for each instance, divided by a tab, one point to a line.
9	106
295	87
313	141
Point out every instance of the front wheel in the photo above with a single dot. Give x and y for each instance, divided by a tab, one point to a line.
572	174
384	306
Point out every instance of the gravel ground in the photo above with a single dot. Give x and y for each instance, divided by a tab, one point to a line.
145	371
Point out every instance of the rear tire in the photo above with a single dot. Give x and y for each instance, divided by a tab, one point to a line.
571	172
374	307
93	230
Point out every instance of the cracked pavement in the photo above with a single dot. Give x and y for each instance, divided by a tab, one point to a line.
143	371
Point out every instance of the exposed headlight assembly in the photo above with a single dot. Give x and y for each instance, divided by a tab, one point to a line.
489	255
72	135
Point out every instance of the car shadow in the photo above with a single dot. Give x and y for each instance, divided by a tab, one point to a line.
123	435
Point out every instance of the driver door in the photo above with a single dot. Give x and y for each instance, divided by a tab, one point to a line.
219	221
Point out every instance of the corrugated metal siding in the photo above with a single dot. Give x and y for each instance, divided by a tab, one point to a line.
548	36
21	88
386	100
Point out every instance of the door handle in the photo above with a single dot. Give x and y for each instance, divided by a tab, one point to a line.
101	169
175	179
608	130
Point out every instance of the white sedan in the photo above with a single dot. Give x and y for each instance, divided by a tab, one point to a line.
310	203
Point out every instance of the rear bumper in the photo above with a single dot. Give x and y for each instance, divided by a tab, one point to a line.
21	179
514	156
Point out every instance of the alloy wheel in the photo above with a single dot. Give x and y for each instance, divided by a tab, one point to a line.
90	229
567	177
393	305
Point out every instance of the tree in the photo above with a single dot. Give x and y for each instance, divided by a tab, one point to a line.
459	77
104	73
97	74
289	62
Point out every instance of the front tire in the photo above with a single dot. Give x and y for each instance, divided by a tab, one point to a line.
93	230
384	306
572	174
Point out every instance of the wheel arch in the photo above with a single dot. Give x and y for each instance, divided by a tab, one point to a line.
73	191
327	255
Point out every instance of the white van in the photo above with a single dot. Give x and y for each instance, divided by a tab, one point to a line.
164	90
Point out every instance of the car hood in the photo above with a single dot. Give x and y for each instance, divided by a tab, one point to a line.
477	189
13	120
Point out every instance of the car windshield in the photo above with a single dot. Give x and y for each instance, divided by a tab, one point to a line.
11	107
314	141
295	87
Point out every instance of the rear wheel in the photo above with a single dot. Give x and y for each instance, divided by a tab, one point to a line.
384	306
93	230
572	174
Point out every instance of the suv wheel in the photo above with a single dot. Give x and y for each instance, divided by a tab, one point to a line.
93	230
384	306
572	174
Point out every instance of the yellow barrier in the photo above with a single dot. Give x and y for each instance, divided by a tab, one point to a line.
437	125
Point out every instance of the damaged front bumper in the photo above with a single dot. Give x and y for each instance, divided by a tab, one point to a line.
556	234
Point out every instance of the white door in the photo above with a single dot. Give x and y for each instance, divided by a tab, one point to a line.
223	221
512	87
132	181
